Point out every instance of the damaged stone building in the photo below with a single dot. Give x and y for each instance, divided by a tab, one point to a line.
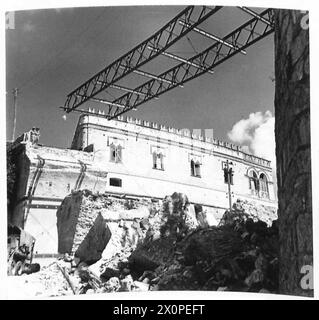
132	158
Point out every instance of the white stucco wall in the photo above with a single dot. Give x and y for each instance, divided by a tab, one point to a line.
139	138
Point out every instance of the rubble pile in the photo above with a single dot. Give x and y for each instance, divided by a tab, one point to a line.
115	244
256	212
180	253
49	281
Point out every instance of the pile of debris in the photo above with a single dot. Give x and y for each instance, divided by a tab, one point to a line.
178	253
177	250
113	245
255	211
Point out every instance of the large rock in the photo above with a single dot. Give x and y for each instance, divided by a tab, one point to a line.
82	234
91	248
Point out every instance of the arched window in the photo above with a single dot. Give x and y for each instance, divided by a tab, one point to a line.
263	185
253	182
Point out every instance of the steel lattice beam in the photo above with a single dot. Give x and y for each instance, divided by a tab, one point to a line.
149	75
180	59
255	15
211	36
139	55
124	89
209	58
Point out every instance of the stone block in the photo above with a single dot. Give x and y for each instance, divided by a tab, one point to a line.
91	248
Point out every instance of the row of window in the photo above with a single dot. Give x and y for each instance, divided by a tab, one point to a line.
257	185
158	160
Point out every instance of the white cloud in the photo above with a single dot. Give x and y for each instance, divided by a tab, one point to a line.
256	135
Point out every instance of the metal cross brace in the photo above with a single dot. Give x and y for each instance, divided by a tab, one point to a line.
214	55
139	55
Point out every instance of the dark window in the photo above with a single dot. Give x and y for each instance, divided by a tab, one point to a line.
158	162
253	182
195	169
115	182
228	175
263	186
116	153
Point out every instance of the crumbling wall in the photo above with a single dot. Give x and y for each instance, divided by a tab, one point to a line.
22	165
292	131
87	223
145	244
67	216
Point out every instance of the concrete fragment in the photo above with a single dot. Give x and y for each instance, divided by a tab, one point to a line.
95	241
127	283
141	286
113	284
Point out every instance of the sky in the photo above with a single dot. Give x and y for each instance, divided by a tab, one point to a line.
50	52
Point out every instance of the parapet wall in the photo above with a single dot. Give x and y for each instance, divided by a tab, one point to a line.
98	118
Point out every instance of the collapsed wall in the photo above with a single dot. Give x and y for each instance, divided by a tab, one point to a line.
171	241
117	244
87	223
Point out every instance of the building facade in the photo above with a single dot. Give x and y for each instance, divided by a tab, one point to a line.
144	158
138	159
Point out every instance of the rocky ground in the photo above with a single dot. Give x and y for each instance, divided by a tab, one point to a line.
150	246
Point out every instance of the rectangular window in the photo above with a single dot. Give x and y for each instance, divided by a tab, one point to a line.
116	153
115	182
228	175
195	169
158	161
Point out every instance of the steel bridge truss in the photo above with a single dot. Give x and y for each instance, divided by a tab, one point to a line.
258	27
139	55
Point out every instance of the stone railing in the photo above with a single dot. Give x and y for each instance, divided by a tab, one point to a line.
234	150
